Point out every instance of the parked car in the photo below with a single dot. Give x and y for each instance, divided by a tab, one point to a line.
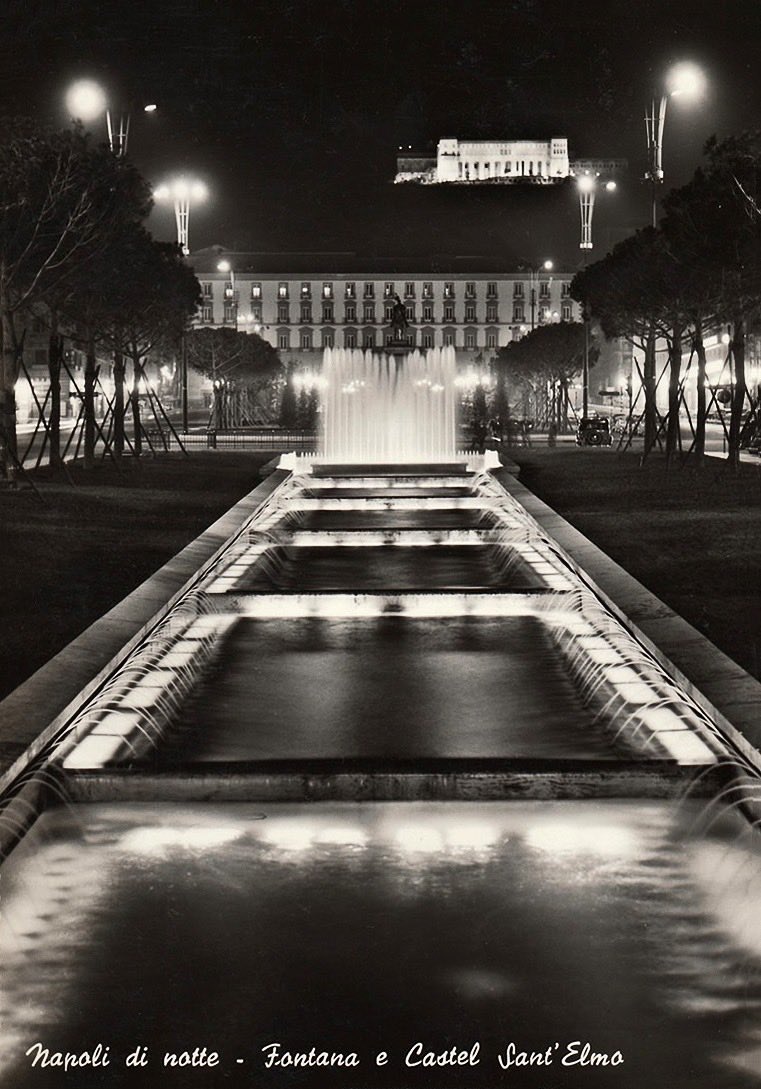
593	431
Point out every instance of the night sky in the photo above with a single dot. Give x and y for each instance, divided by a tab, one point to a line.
292	110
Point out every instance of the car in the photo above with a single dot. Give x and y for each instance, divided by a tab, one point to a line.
593	431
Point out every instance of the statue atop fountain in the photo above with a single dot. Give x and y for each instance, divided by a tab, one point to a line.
399	326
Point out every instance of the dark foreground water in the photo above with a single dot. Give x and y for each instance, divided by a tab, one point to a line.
386	687
372	928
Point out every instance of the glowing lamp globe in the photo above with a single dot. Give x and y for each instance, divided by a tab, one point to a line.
85	100
686	80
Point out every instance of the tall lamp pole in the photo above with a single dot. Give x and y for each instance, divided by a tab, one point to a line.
586	184
86	100
182	192
685	80
534	271
225	266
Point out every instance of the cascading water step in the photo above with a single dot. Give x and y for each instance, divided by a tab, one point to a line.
392	470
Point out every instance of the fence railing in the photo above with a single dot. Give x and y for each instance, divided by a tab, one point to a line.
248	438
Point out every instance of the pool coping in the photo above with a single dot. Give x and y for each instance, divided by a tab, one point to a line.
32	714
722	688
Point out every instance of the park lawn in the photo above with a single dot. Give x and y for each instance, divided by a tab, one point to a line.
693	538
68	560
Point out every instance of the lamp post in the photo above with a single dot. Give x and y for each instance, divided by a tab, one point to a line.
534	271
685	80
225	266
586	185
182	192
86	100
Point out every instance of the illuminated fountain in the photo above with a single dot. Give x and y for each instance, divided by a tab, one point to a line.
388	694
380	409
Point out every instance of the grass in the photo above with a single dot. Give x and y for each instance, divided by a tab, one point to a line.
692	537
70	559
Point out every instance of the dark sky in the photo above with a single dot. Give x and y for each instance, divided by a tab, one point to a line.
291	110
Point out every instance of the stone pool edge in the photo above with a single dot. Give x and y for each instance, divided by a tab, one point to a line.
715	682
33	712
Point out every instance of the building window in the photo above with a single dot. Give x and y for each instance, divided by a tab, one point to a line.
230	312
327	311
518	289
327	291
388	291
491	312
566	311
544	289
228	290
449	340
207	313
368	338
306	312
448	291
470	312
283	312
565	289
350	339
351	290
518	314
449	312
427	311
256	291
350	312
327	338
491	290
409	290
256	311
369	290
427	340
470	338
206	290
470	290
491	340
282	290
305	339
368	312
409	312
306	291
544	314
428	291
283	340
388	312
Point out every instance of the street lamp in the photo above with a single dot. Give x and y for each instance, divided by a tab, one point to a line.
586	185
684	80
86	100
534	271
182	191
225	266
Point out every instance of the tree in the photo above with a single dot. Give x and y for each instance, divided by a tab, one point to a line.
243	368
62	199
543	363
289	415
713	226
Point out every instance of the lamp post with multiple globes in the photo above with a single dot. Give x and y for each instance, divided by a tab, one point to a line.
86	100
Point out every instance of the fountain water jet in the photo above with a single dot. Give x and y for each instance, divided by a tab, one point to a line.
384	409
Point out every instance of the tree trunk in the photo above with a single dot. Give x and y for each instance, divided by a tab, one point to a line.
9	364
119	376
702	412
55	361
675	369
137	373
648	375
89	403
738	394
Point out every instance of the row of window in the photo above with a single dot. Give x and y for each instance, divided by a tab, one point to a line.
543	313
389	290
368	339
